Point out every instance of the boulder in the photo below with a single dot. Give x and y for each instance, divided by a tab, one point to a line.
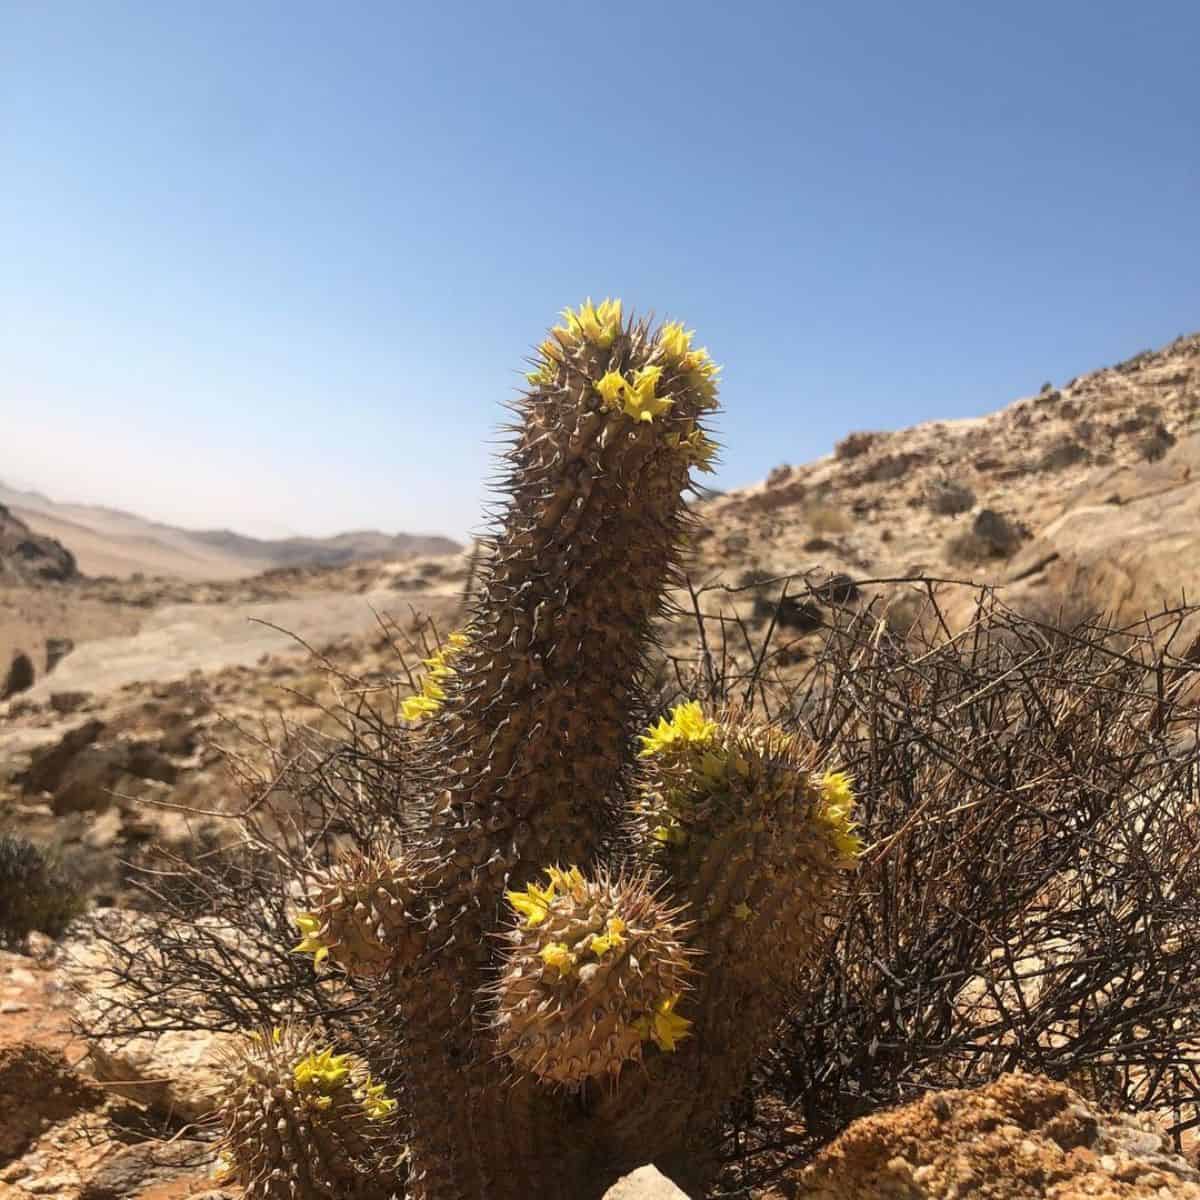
19	677
1020	1138
57	648
174	1072
27	557
997	531
646	1183
855	444
132	1169
1126	543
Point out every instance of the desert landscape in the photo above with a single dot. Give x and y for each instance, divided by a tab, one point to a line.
149	676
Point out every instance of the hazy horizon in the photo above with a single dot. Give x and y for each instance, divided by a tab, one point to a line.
276	268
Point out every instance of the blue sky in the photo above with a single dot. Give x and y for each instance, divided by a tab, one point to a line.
275	266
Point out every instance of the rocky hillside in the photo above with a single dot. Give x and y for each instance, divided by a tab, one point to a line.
109	542
1082	498
27	557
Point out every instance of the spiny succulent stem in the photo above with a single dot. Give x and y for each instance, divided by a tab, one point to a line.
549	1022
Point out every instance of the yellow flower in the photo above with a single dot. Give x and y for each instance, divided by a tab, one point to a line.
225	1169
558	955
543	376
570	880
417	708
702	376
640	401
322	1071
312	943
533	903
687	725
612	389
837	795
602	943
635	398
375	1102
431	696
596	324
675	341
700	450
664	1027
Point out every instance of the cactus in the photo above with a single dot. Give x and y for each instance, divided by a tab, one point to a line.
587	938
300	1120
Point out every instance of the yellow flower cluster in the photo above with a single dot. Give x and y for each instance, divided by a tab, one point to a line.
687	726
675	342
663	1026
611	939
698	448
548	363
320	1074
837	796
312	942
438	669
558	955
374	1100
634	397
597	324
533	902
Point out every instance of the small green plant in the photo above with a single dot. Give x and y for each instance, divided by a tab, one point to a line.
36	891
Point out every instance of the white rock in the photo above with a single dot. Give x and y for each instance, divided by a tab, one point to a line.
646	1183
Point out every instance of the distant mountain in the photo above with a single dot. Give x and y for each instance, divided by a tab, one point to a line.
332	551
108	541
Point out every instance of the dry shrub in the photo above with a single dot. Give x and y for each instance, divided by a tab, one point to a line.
213	949
1030	898
825	518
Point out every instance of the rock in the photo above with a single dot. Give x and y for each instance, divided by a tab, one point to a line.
38	1088
1065	452
948	497
1156	443
49	765
997	532
65	703
1125	544
891	467
90	779
646	1183
855	444
176	1072
133	1168
57	648
20	676
27	557
1019	1138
